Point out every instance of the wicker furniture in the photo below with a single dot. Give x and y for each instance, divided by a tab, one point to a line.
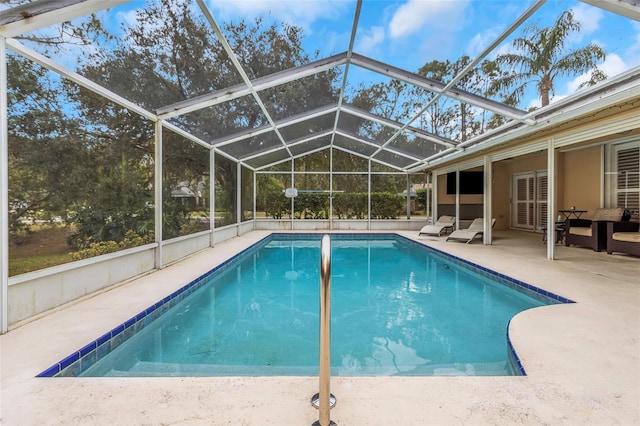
591	233
623	237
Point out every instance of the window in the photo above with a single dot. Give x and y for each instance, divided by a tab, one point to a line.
623	181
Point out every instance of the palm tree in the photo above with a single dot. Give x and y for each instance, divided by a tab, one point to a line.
538	58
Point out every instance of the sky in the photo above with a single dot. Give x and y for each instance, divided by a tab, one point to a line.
410	33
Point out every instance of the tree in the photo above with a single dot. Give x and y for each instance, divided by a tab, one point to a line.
539	59
169	55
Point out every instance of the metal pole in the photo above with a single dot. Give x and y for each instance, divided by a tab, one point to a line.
4	191
158	193
408	196
324	400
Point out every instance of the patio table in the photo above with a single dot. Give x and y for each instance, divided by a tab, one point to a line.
572	212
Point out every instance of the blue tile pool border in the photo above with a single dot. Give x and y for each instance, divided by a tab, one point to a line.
528	289
84	358
80	360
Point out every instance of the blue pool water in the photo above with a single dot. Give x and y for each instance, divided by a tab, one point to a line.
398	308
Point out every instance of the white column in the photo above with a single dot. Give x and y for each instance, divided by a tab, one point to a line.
293	161
238	196
457	198
434	197
255	194
551	200
330	187
408	196
488	207
4	191
158	193
369	196
212	196
428	196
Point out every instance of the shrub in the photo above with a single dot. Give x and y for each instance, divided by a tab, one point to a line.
349	205
131	239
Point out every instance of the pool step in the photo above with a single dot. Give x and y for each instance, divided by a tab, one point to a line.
164	369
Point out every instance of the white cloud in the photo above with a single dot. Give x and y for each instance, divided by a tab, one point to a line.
294	12
589	18
369	39
127	18
416	14
480	41
612	66
633	50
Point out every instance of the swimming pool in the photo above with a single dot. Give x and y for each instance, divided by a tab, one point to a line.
398	308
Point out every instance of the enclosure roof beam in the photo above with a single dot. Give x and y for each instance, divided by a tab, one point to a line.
446	90
437	87
65	72
350	109
260	83
627	8
360	139
298	118
290	144
185	134
35	15
236	63
343	88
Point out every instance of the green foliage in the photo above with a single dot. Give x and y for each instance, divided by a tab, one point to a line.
387	205
192	226
77	157
309	205
348	205
93	167
226	200
421	200
538	59
269	187
131	239
277	205
351	205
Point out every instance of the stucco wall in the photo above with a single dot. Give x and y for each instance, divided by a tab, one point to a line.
578	177
500	202
582	171
501	184
470	204
444	198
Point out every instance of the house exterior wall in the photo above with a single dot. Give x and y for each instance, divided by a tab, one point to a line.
502	173
501	190
579	174
581	181
444	198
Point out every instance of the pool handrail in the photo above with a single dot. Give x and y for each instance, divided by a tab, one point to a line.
323	399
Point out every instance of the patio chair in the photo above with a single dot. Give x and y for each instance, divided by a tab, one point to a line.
476	229
591	233
623	237
444	224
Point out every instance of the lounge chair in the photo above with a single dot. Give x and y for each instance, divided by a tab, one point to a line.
476	229
444	224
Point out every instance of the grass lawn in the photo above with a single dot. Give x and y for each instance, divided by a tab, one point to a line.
46	246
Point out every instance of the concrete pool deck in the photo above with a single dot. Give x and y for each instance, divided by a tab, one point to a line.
582	359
